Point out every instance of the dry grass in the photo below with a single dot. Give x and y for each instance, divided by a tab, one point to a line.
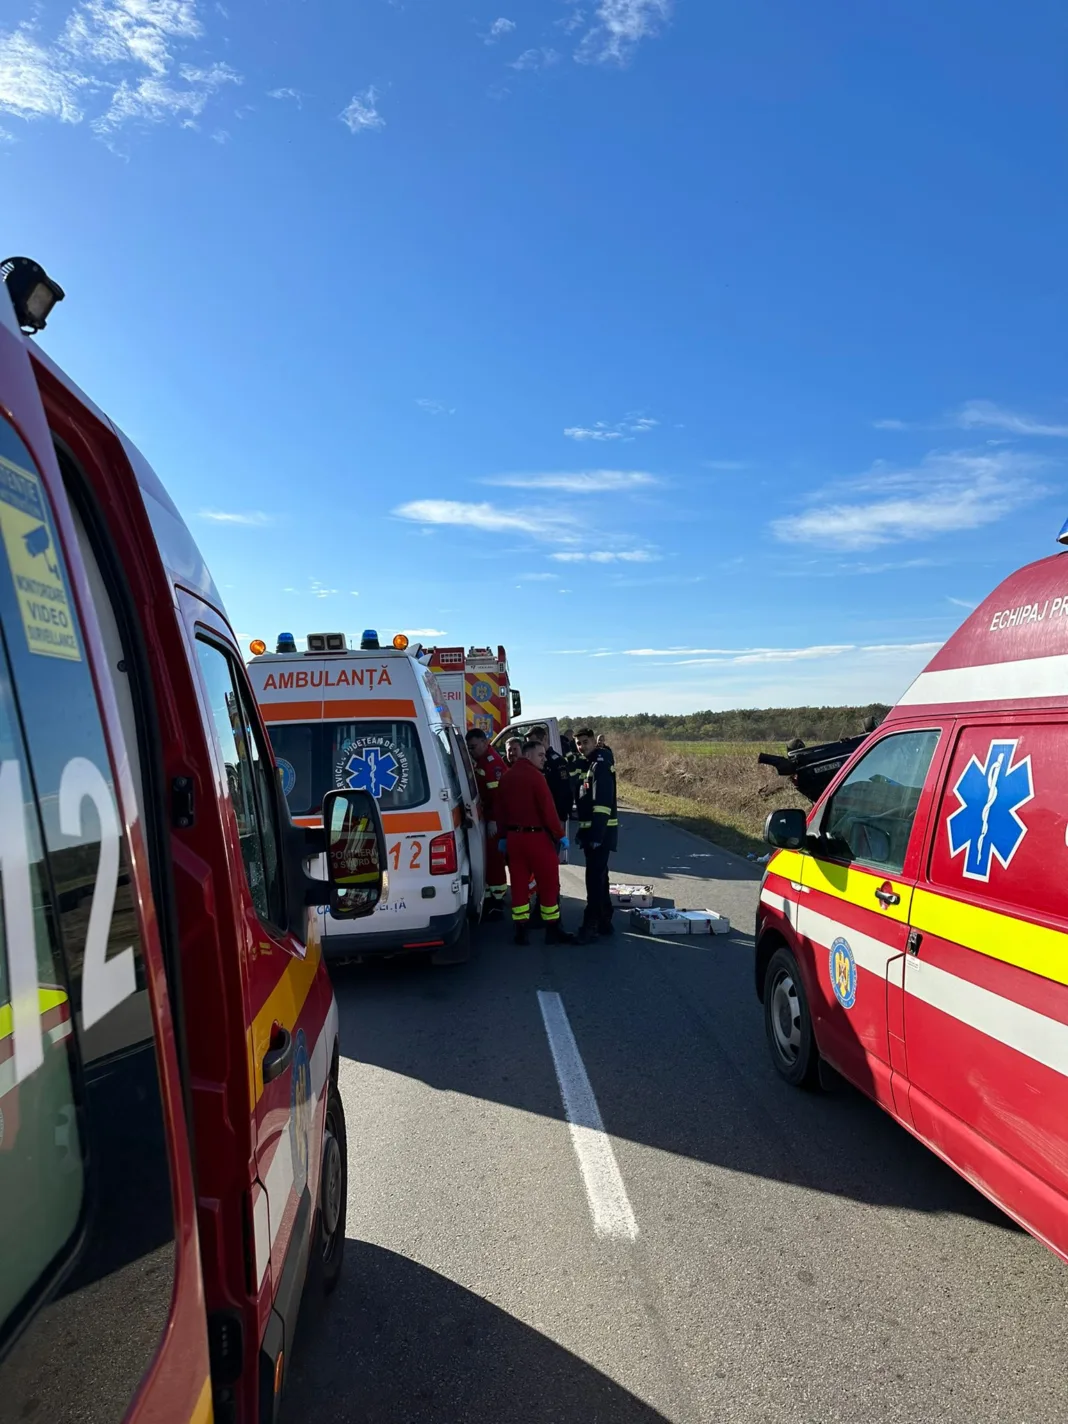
723	795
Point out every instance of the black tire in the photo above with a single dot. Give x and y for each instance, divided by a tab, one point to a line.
333	1193
788	1022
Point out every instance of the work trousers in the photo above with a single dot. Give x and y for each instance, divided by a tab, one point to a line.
532	857
496	874
598	913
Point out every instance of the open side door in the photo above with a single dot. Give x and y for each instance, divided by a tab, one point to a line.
474	827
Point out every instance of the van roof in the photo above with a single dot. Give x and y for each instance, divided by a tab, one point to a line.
323	687
1013	650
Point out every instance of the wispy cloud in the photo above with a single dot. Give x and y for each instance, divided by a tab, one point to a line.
253	518
607	556
734	657
725	465
361	114
619	27
536	59
425	632
287	93
985	415
889	424
579	481
436	407
498	30
625	429
119	53
536	578
967	603
487	518
944	494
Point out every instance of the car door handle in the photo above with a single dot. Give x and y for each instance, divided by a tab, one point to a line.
887	895
278	1058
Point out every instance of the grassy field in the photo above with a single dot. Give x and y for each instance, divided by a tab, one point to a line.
714	788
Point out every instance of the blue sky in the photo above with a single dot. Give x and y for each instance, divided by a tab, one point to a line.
705	354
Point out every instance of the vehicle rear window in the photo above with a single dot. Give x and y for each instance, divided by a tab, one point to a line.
384	758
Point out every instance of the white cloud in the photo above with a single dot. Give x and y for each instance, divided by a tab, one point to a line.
212	77
570	23
436	407
253	518
286	93
425	632
131	31
608	556
361	112
889	425
485	517
220	136
579	482
624	429
498	30
535	59
620	25
37	82
945	494
537	578
961	602
152	100
985	415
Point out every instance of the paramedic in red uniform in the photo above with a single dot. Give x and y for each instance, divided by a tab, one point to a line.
527	820
489	768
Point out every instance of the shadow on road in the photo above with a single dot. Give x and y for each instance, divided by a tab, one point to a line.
398	1342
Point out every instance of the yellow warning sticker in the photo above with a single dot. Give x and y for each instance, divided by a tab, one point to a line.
34	559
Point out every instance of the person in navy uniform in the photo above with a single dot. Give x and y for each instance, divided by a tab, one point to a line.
598	832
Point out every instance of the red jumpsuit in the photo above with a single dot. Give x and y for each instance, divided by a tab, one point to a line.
489	768
527	817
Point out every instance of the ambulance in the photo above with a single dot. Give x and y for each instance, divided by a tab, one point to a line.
172	1139
374	719
912	931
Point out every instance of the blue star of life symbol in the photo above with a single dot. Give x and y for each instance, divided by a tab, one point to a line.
986	823
372	770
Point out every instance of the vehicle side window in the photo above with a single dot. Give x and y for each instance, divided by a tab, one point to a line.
448	762
248	774
468	766
872	812
77	910
42	1173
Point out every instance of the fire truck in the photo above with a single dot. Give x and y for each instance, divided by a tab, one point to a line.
173	1163
475	686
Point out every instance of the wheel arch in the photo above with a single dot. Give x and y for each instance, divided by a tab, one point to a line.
767	944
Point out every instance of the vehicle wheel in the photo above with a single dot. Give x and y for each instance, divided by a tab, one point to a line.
458	953
333	1192
788	1023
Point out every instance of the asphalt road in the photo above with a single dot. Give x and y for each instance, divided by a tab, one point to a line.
797	1258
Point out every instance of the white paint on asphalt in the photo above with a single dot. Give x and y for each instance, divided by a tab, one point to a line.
609	1204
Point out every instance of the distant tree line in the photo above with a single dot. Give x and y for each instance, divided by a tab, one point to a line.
742	724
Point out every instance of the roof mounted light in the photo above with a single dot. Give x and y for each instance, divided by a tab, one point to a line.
1062	537
286	643
257	647
33	293
400	641
369	641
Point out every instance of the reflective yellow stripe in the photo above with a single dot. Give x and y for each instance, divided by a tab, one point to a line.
550	912
520	912
364	879
47	998
612	821
492	785
1027	946
602	810
856	886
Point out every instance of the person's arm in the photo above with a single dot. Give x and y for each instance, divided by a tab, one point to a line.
601	782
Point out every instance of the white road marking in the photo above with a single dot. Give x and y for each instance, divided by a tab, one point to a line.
609	1204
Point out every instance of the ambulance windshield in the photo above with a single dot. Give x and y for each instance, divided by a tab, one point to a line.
381	757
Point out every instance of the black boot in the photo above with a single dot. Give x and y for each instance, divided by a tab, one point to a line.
492	910
587	935
556	934
522	933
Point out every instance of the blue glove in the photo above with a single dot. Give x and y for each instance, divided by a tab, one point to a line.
502	845
563	843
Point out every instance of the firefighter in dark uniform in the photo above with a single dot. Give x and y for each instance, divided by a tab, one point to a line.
557	774
576	764
489	768
598	832
533	838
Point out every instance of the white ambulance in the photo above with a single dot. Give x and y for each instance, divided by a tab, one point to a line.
373	718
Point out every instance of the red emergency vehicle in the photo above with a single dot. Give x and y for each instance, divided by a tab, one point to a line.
475	687
172	1140
914	933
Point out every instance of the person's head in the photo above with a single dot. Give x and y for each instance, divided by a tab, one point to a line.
513	749
600	740
587	741
477	742
540	733
535	753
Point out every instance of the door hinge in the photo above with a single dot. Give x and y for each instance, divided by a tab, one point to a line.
912	944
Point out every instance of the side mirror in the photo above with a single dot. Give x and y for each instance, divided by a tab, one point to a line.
355	853
786	828
517	705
